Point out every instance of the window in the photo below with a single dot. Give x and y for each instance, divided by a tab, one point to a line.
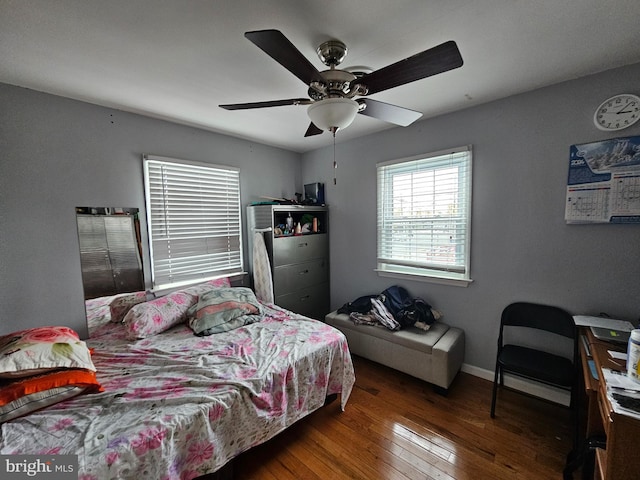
424	216
193	216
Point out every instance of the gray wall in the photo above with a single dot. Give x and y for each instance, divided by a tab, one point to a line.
56	154
521	247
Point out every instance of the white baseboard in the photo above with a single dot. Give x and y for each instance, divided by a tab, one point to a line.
546	392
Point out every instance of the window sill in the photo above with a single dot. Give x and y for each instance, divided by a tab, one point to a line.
456	282
162	290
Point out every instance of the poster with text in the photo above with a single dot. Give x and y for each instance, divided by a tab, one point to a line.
604	182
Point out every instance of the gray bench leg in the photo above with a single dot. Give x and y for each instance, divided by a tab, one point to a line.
441	390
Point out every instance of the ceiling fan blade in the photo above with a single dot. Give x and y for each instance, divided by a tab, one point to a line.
278	47
272	103
313	130
388	113
439	59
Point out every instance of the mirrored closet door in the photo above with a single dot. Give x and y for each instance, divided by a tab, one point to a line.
110	250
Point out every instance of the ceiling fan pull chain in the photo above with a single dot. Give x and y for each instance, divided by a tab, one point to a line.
335	164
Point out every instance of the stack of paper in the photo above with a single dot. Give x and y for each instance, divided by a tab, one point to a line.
622	392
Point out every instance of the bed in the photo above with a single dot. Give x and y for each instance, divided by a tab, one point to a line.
176	405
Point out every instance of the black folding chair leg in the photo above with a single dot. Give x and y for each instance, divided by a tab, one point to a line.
495	391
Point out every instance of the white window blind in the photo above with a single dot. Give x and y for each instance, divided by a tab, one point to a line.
194	222
424	207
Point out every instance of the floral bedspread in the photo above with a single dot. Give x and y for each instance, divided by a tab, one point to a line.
179	406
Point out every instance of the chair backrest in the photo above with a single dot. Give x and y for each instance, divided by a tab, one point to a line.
541	317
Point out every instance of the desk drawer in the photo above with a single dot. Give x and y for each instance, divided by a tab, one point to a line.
604	411
299	248
290	278
312	302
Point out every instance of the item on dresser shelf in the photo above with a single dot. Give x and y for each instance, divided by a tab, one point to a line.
633	356
314	193
306	218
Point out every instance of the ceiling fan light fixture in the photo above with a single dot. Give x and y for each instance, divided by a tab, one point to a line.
332	113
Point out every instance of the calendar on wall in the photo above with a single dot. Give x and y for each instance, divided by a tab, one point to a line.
604	182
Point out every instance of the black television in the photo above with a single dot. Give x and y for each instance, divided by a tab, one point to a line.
314	193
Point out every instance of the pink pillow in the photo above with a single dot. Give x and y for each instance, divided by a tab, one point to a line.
41	349
121	305
156	316
201	288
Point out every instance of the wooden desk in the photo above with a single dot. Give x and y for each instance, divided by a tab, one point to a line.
620	460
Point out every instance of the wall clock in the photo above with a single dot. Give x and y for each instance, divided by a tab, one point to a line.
618	112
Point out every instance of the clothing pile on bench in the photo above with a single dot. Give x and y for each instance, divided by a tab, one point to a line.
394	309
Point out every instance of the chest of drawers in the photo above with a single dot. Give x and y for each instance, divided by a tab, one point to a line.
299	262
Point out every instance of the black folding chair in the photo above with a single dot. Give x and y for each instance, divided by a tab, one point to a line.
537	362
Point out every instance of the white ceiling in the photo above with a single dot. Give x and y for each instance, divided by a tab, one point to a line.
179	59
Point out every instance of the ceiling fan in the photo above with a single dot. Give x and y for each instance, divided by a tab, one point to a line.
332	93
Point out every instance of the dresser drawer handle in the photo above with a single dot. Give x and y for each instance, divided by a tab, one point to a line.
303	272
302	245
306	297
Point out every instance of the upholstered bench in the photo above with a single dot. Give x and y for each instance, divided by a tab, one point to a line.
435	355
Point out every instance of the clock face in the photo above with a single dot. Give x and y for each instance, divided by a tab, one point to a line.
618	112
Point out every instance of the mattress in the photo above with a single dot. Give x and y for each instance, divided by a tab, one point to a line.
179	406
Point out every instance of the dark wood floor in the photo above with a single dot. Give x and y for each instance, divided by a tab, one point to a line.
397	427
